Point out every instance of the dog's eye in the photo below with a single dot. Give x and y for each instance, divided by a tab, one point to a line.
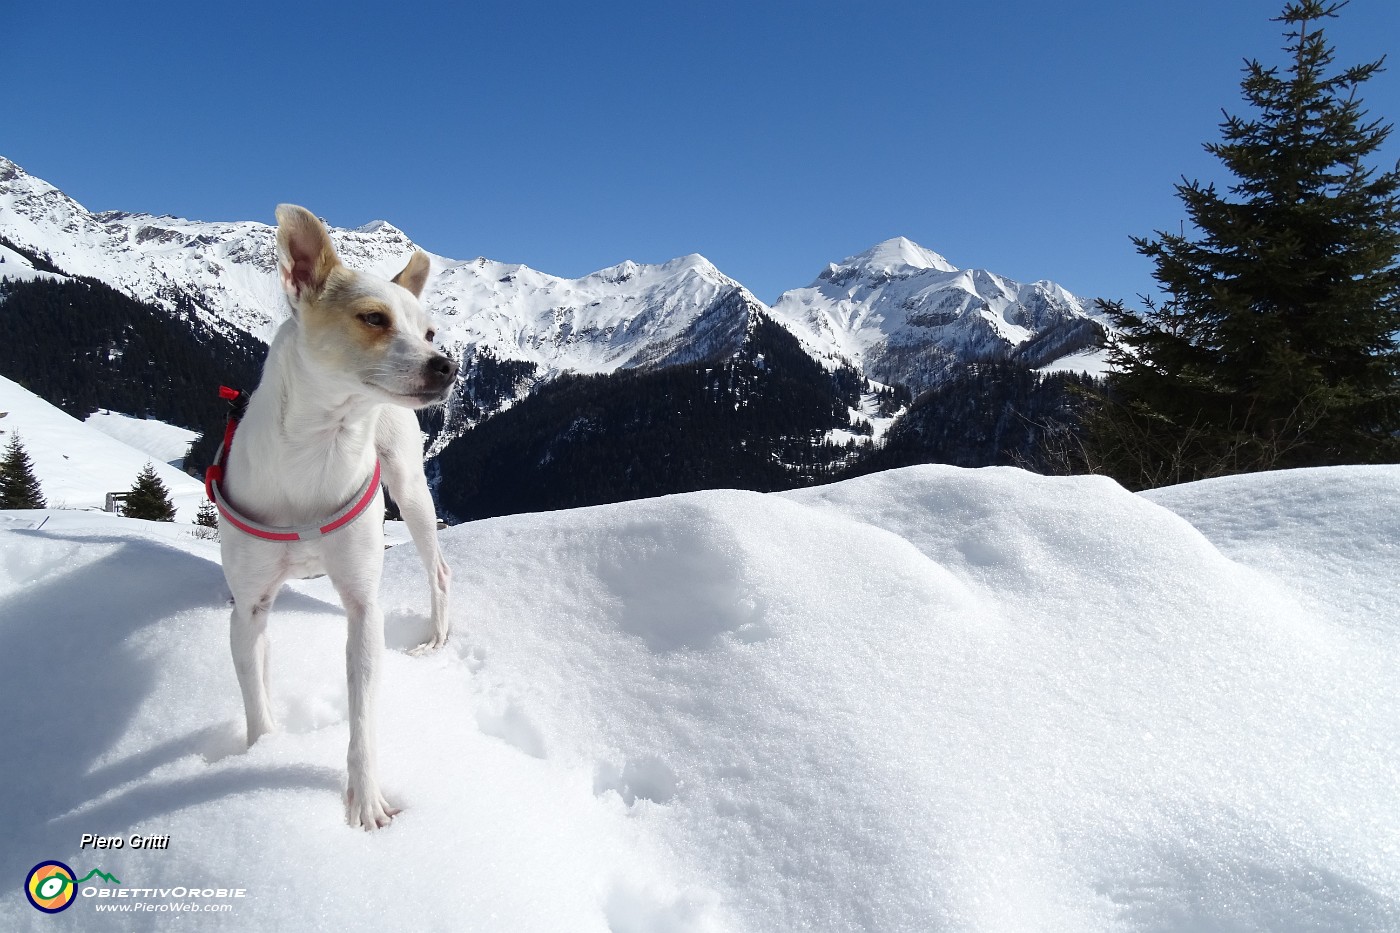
375	319
430	335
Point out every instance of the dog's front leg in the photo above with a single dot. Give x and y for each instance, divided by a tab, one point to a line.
365	806
354	563
400	444
255	573
248	641
416	507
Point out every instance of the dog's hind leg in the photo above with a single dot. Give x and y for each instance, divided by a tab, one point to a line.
248	640
354	563
400	447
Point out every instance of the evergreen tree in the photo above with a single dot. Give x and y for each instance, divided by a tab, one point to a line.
206	521
208	515
1275	346
19	488
148	498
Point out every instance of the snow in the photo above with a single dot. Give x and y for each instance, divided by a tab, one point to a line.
1093	362
929	699
167	443
1330	535
77	464
869	413
16	267
897	256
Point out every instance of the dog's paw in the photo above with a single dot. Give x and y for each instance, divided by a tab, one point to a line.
431	645
369	811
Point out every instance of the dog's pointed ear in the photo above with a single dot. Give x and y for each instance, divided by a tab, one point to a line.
305	256
414	275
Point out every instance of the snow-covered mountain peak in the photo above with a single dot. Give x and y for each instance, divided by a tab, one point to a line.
905	314
694	262
18	187
624	271
895	256
380	226
9	171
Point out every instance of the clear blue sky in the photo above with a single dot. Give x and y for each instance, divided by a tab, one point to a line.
1029	138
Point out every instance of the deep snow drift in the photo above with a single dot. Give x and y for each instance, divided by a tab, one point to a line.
932	699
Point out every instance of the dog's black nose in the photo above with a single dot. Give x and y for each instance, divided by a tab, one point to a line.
440	370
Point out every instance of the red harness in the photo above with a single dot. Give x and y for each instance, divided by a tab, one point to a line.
214	476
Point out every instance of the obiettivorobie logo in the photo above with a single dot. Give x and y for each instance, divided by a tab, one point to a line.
51	886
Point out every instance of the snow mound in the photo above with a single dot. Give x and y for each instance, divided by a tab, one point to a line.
922	700
1332	535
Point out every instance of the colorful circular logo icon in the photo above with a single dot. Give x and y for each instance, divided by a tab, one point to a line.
50	887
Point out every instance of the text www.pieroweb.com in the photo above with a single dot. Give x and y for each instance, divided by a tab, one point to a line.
163	900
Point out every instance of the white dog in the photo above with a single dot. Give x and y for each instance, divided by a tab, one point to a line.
298	490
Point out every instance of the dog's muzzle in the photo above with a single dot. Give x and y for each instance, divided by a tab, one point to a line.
439	373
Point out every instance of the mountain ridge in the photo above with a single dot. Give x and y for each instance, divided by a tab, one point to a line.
898	310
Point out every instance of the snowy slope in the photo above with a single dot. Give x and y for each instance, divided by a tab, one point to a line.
1093	362
905	314
77	464
17	268
932	699
166	443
